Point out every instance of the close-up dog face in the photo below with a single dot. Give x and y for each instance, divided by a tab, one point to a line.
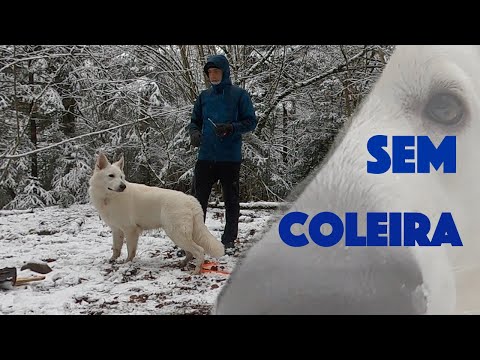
424	91
109	176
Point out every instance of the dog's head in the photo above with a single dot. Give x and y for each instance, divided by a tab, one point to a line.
424	90
109	177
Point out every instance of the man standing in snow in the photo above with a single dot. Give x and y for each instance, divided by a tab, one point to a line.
220	116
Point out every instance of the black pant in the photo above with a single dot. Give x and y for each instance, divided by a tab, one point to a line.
205	175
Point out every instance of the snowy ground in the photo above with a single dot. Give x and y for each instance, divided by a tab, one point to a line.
76	244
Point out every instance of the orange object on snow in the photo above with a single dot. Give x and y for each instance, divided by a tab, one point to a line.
212	267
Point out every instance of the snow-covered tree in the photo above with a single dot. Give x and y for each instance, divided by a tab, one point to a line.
61	105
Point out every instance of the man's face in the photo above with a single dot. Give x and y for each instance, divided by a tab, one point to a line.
215	75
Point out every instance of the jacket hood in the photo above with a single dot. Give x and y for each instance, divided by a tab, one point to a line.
221	62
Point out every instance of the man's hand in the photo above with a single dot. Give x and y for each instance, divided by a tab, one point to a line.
223	129
196	138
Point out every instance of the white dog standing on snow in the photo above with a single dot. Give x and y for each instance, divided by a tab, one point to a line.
130	208
424	90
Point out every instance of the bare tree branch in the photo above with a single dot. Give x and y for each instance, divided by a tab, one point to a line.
262	117
16	156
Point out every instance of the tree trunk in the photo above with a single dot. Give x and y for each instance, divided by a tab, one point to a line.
33	132
188	78
68	118
201	52
284	127
346	85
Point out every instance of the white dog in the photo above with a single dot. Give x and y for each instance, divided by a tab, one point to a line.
423	90
130	208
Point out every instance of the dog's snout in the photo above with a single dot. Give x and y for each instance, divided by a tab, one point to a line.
122	186
315	281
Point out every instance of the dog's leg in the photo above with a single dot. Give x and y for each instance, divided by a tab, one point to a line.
118	237
182	235
200	256
188	257
198	253
132	241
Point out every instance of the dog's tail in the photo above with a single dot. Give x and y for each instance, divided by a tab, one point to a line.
203	237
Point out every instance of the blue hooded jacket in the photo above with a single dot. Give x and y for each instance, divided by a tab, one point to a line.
222	103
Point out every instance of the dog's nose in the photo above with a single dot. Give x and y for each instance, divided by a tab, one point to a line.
275	278
122	186
307	282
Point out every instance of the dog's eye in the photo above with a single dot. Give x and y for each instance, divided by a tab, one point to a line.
445	108
111	175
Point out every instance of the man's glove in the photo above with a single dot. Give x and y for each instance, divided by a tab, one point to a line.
223	129
195	138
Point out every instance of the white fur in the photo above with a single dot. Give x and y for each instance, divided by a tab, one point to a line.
451	276
395	108
139	207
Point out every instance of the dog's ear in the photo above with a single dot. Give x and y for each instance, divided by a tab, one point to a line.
120	163
102	162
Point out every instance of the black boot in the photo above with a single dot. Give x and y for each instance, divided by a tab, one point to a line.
229	245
